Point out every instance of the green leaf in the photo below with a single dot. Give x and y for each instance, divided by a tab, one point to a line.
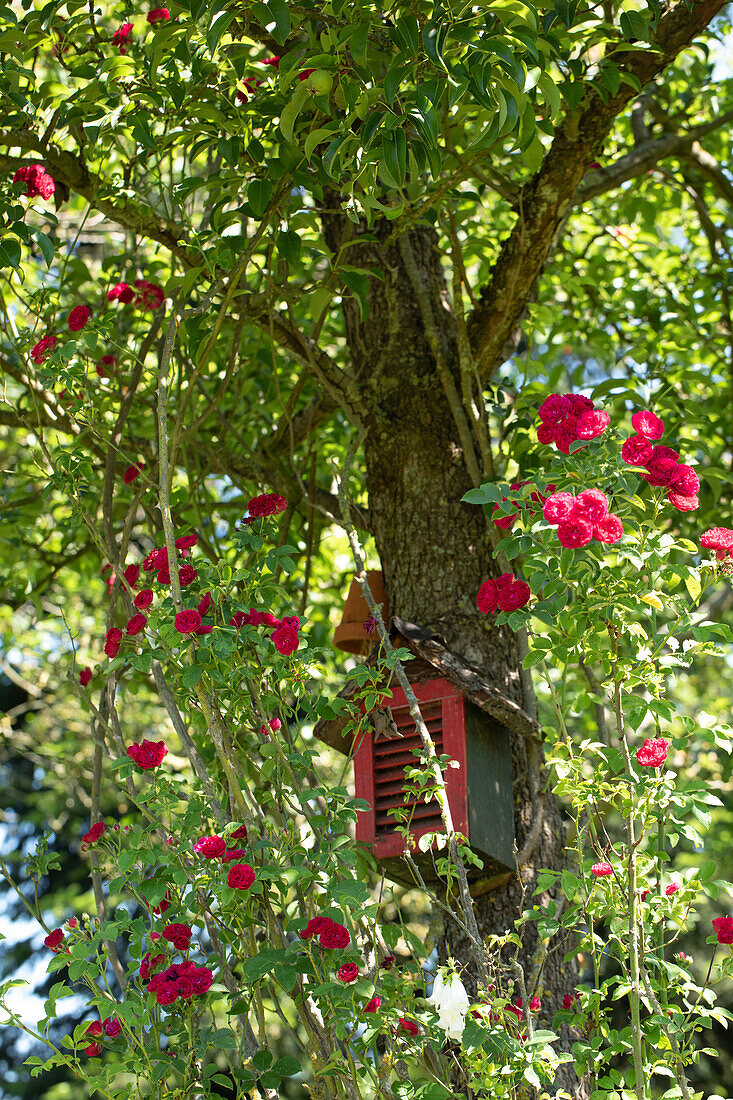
259	194
394	151
262	1060
191	675
288	245
281	16
286	1067
433	1091
9	252
291	111
534	657
257	966
46	246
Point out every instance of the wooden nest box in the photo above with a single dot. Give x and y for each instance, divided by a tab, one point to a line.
468	720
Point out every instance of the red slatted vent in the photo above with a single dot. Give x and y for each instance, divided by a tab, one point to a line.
391	757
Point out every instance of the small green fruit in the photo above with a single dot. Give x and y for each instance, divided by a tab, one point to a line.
320	82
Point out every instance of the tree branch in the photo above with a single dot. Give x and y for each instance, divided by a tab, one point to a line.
545	200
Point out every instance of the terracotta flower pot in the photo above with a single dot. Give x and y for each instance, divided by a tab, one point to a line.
350	634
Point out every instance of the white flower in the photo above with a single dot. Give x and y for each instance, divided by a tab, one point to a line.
451	1001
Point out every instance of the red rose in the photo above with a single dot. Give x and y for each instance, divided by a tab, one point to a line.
210	847
232	854
388	962
723	929
609	530
660	472
36	180
150	295
112	1028
566	434
143	599
535	1004
156	559
569	999
487	599
373	1005
574	533
408	1025
285	641
637	450
54	939
239	833
148	965
148	754
682	502
167	995
315	926
546	433
579	403
204	604
131	574
163	576
121	292
179	935
653	753
42	349
79	317
202	980
85	676
267	504
647	424
514	596
717	538
186	542
240	876
186	574
558	507
93	1050
95	1029
136	624
592	505
554	408
119	38
158	15
185	986
187	622
131	473
113	638
334	937
592	423
686	481
349	972
671	889
94	833
601	870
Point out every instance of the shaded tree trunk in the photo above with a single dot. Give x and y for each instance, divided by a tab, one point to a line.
435	552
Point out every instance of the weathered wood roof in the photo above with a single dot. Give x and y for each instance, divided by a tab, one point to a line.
431	658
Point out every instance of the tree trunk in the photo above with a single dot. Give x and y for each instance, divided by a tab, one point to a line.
435	552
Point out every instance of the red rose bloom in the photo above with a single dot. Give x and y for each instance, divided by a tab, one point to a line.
546	433
131	574
408	1025
660	472
42	349
204	604
79	317
267	504
112	1028
592	423
681	502
566	434
535	1004
112	641
54	939
150	296
187	622
156	559
148	965
210	847
143	599
686	481
202	979
285	641
671	889
119	38
185	542
314	927
717	538
158	15
136	624
609	530
637	450
723	929
292	622
240	876
85	676
147	754
601	870
574	533
647	424
121	292
186	574
488	597
554	408
653	753
373	1005
558	507
163	575
36	180
179	935
334	937
94	833
232	853
131	473
240	833
514	596
349	972
166	995
568	1000
592	505
579	403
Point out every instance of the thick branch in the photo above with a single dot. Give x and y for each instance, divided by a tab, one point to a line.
547	197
